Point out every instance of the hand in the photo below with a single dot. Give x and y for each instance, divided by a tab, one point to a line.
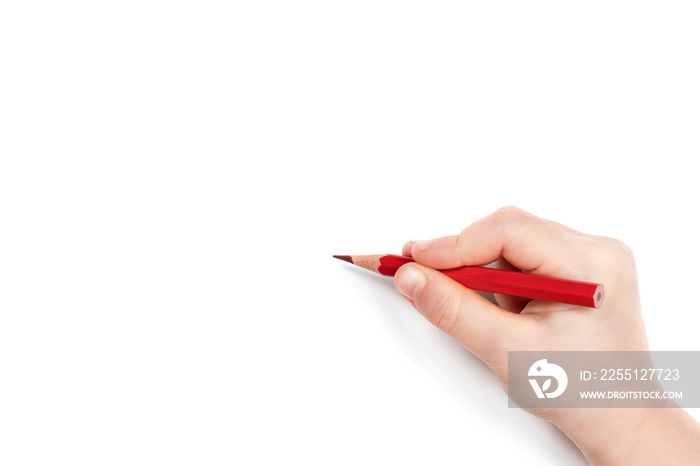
517	240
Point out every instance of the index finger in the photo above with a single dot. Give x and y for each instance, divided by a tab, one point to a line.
530	243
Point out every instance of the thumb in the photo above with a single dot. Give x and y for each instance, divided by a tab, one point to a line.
480	326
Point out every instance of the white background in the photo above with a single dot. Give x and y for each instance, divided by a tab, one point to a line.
175	176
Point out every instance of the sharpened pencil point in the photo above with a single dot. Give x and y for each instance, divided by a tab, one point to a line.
345	258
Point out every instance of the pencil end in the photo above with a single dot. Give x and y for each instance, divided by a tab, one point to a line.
599	296
345	258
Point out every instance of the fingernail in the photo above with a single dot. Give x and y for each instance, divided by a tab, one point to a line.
425	244
408	280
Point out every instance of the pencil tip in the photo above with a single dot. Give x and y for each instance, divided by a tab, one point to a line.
345	258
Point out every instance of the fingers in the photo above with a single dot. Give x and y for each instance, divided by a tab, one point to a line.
477	324
526	241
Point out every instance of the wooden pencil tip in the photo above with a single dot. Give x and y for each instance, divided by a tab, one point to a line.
345	258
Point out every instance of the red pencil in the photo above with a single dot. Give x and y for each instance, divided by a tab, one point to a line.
497	281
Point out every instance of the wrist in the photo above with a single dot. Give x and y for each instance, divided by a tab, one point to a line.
621	436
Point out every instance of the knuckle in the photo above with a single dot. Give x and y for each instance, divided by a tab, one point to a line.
623	249
440	308
447	317
615	257
620	252
509	215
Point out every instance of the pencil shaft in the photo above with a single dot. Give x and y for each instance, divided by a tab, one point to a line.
502	281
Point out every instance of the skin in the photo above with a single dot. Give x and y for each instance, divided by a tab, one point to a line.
518	240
